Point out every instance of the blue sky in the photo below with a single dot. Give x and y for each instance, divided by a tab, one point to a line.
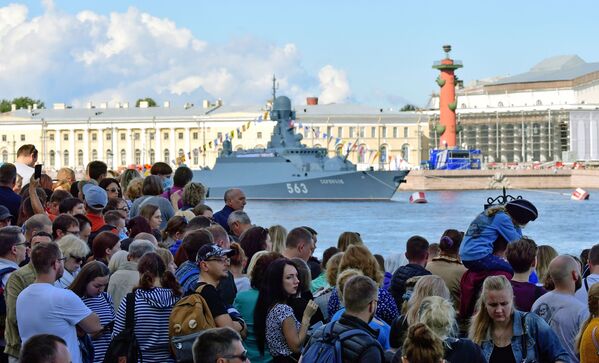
383	49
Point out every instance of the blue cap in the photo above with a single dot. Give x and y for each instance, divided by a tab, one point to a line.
95	196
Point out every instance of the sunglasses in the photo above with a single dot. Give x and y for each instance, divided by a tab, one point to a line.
77	259
243	356
113	190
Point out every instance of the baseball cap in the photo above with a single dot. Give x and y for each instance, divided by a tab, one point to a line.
4	213
95	196
206	252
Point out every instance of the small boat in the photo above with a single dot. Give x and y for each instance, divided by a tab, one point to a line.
580	194
418	198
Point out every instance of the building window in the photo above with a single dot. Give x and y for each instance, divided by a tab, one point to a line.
395	132
405	132
65	137
4	156
123	137
351	131
239	134
405	152
167	156
109	136
196	160
259	135
94	154
136	136
384	131
152	156
339	131
180	136
383	154
4	138
151	136
79	137
539	103
194	135
80	157
329	131
51	137
137	157
123	157
373	132
109	157
339	150
500	104
94	136
52	158
165	137
219	135
22	137
65	157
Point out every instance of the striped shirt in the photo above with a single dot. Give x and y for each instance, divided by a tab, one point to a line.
152	310
102	306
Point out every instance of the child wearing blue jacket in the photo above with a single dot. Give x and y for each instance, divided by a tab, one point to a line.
497	223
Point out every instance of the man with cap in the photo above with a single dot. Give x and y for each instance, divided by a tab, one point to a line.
5	217
95	199
213	263
496	225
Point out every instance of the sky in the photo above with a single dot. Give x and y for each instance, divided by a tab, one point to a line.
368	52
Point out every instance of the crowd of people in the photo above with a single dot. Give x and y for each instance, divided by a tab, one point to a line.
89	265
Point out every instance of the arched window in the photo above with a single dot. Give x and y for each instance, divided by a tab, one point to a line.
539	103
152	156
167	156
80	157
383	153
52	157
137	157
362	153
339	150
123	157
94	154
65	157
181	153
500	104
109	156
4	156
405	152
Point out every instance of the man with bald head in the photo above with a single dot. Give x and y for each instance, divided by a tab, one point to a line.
234	200
560	309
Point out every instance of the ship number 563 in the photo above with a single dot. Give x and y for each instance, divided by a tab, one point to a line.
297	188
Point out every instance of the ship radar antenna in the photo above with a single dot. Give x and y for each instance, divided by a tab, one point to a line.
275	87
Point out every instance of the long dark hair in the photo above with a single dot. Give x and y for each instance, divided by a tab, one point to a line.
271	293
88	273
151	266
252	241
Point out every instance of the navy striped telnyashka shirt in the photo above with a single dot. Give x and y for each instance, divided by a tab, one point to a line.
152	310
102	306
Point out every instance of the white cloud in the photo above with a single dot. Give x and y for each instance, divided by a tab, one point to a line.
122	56
333	84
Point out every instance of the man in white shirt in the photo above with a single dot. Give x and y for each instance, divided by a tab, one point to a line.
26	159
583	293
61	309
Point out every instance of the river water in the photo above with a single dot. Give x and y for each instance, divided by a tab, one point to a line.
569	226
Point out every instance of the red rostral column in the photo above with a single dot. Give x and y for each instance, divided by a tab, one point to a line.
447	100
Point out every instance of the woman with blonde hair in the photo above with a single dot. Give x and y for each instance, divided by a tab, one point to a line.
278	235
133	190
359	257
193	194
506	334
422	346
545	254
439	316
586	339
75	250
347	239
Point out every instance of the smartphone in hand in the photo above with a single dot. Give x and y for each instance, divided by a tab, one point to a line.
38	171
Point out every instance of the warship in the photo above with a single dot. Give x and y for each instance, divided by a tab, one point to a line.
288	170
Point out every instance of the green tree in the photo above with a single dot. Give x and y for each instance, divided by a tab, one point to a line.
21	102
149	100
409	107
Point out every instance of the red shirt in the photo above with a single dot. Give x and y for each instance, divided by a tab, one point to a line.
97	221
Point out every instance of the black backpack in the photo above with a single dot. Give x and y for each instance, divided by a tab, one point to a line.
124	347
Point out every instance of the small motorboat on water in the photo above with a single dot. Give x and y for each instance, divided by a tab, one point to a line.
580	194
418	198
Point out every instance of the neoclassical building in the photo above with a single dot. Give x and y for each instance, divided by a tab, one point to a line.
122	135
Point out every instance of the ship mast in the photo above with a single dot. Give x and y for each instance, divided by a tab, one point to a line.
274	88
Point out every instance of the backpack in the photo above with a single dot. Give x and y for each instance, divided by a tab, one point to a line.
190	316
328	347
124	347
3	272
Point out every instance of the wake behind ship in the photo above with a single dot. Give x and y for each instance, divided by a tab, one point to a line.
288	170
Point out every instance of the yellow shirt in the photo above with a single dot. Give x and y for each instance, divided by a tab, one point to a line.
588	352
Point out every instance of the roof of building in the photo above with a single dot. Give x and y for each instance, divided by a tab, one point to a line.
558	68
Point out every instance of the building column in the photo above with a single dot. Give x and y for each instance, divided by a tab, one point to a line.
173	152
57	151
517	143
86	146
158	148
101	153
492	154
73	152
144	152
115	152
128	138
187	147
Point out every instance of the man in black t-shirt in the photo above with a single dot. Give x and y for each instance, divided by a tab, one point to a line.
213	263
